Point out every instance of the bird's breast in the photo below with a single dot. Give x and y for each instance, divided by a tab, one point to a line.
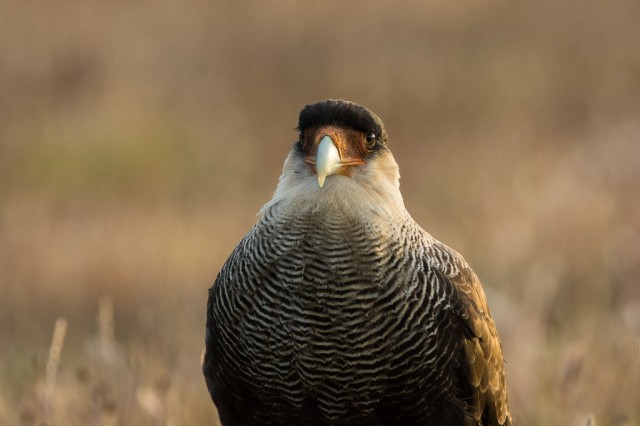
325	305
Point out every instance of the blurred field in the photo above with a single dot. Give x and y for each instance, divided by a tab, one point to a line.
138	140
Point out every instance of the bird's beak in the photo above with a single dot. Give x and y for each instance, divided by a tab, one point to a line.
335	152
327	159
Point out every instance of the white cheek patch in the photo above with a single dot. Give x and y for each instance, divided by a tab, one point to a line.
371	189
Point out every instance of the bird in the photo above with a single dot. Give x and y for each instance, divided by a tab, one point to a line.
337	308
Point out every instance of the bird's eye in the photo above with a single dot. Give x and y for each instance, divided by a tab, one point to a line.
371	139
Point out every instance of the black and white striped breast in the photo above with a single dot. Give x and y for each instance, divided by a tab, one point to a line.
327	318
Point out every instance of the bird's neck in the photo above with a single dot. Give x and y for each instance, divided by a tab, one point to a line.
369	193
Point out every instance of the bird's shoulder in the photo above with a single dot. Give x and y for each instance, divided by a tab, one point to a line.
481	365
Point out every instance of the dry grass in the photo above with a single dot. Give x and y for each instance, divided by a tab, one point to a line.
138	139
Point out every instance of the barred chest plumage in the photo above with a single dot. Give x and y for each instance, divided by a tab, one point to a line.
334	315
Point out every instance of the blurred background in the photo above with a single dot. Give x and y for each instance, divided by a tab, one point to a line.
138	139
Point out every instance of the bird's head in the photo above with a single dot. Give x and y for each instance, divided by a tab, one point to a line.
339	137
341	152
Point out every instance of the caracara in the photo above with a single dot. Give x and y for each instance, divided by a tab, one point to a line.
337	308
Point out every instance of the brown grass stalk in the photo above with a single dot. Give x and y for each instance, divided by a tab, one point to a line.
106	330
53	361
